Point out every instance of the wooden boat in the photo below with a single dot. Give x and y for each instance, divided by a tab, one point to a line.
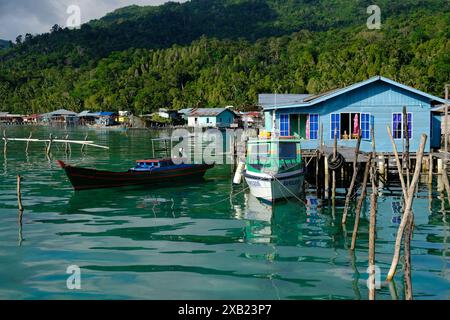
274	168
146	172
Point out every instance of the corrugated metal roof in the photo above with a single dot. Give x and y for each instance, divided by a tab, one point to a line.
314	99
60	112
205	112
270	99
185	111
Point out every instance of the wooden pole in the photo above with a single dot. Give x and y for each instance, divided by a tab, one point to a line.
28	142
406	138
361	201
317	173
83	146
66	145
430	169
407	249
372	224
353	181
397	161
333	187
326	178
408	206
5	139
19	194
49	147
446	127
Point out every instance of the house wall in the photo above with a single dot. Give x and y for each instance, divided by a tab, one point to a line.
380	100
224	119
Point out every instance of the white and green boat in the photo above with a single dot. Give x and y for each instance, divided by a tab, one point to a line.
274	168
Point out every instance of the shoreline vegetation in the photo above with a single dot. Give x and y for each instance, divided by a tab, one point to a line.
221	52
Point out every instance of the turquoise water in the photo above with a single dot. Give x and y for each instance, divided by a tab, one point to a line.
193	241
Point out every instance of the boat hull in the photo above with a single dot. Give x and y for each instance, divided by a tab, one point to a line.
272	188
85	179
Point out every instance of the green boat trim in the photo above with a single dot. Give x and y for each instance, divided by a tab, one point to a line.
277	155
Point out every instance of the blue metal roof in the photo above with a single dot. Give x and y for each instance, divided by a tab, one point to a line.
315	99
106	114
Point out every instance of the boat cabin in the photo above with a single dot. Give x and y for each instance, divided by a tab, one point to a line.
270	154
145	165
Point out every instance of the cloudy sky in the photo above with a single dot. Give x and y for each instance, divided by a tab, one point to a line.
37	16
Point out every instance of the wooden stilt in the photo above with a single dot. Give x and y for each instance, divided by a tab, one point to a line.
333	174
317	173
326	178
372	224
430	169
406	160
408	208
353	181
407	249
361	202
397	160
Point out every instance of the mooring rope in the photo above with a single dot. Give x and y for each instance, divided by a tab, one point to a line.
335	163
230	197
294	195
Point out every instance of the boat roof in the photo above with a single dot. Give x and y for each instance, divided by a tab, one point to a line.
152	160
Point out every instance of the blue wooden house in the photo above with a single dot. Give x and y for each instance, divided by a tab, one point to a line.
377	102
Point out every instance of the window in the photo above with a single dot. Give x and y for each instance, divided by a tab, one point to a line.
335	125
284	125
397	125
313	126
207	120
410	124
288	150
365	126
259	153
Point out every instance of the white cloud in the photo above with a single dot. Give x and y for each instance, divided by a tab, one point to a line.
38	16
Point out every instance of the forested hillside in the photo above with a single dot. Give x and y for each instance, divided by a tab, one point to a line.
224	52
4	44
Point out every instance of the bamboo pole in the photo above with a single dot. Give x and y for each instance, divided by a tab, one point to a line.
361	202
408	206
353	181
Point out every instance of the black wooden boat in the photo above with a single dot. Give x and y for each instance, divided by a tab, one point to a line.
146	172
